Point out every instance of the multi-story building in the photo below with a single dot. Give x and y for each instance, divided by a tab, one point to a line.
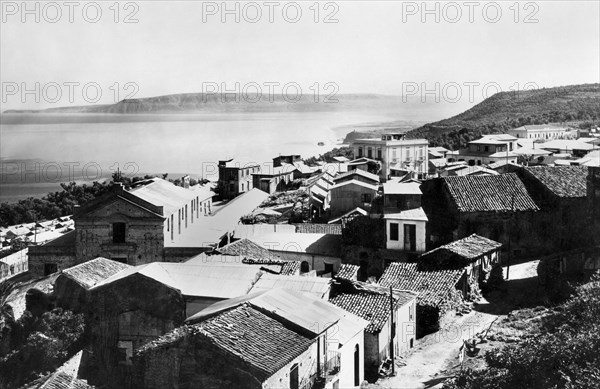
395	154
488	149
235	177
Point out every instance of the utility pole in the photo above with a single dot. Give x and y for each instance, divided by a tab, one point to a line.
392	331
512	211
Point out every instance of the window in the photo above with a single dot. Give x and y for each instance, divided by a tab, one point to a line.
486	148
379	154
50	268
394	231
231	187
478	148
242	187
294	377
329	268
125	350
360	152
304	267
479	162
366	198
369	152
118	232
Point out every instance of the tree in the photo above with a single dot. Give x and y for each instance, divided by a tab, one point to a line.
42	345
565	354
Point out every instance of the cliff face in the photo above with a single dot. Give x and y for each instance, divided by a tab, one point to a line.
217	102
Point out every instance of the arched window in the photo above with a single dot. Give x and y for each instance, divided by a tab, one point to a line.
304	267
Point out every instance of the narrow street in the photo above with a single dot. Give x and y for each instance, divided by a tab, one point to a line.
437	353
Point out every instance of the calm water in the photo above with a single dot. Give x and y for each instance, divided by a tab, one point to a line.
37	157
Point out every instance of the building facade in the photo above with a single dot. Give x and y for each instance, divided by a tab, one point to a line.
236	177
543	131
395	152
489	149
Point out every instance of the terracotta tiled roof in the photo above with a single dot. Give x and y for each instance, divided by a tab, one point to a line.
468	248
247	249
264	344
58	380
290	268
359	172
348	271
501	193
370	302
334	229
563	181
428	280
89	273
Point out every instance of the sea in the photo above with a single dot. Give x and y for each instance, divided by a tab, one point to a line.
40	151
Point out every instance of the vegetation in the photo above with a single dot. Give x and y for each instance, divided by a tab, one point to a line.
51	206
562	353
506	110
62	203
328	156
40	345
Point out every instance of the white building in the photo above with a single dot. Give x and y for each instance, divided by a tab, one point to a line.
488	149
543	131
395	152
405	230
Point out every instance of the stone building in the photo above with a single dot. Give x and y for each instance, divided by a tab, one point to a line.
496	206
128	313
154	221
593	198
72	287
443	276
561	194
282	340
373	303
236	177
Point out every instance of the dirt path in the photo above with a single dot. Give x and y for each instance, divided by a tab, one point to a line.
438	353
424	363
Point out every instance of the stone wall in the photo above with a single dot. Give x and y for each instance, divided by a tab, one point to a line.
194	362
39	256
307	367
144	237
135	309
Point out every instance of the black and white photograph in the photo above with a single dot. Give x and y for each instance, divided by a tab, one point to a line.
305	194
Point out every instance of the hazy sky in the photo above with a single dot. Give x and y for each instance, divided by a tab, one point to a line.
376	47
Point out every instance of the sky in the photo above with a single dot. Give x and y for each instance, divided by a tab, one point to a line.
467	50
